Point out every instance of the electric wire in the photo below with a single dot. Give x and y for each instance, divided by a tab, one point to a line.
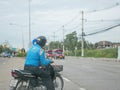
101	31
72	21
110	7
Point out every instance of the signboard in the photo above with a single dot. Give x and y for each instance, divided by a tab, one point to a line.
13	49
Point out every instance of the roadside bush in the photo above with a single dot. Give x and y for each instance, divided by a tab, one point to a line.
21	54
106	53
78	52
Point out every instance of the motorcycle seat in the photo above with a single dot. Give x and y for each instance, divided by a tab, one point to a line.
24	73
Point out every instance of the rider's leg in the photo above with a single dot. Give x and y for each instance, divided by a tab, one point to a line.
48	83
46	78
45	75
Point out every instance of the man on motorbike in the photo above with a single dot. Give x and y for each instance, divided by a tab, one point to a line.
36	58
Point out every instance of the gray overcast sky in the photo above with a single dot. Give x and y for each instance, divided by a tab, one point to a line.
48	16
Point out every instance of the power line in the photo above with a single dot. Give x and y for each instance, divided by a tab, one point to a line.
100	23
72	19
60	28
73	28
102	30
76	18
102	20
117	4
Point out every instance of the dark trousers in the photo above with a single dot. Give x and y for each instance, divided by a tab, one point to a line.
44	74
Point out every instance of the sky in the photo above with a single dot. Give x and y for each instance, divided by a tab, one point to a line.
49	16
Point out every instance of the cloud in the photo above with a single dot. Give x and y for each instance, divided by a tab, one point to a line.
61	16
39	2
3	2
48	16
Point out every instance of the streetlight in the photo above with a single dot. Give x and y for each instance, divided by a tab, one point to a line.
29	22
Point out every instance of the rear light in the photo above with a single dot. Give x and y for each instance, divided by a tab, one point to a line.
14	74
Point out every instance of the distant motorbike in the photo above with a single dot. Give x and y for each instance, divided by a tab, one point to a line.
25	80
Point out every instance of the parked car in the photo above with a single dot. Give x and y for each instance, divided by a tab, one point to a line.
58	54
2	54
5	54
49	54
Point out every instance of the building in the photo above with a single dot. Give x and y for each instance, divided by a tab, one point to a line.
104	44
115	45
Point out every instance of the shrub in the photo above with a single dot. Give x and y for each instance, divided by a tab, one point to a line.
105	53
21	54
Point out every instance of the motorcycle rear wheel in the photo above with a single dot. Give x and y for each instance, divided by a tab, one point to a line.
21	85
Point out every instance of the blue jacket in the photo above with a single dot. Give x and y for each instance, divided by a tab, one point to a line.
36	56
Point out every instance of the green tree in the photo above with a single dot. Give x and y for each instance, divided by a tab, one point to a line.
55	45
7	49
71	41
1	48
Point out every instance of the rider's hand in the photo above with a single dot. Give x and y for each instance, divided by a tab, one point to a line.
52	61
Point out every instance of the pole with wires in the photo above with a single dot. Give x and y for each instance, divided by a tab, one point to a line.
63	39
54	36
82	43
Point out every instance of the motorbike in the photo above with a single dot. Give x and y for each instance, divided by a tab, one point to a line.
25	80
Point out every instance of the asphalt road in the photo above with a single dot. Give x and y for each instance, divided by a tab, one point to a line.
92	74
78	73
6	65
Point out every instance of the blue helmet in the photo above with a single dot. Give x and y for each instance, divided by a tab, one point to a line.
41	41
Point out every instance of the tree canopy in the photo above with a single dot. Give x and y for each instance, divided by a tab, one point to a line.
71	41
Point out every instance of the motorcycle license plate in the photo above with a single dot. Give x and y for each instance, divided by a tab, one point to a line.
13	82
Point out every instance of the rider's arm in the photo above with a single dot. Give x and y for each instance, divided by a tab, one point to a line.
44	61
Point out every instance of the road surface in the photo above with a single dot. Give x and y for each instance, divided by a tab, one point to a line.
78	74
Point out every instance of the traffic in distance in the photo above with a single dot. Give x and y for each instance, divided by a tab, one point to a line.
55	54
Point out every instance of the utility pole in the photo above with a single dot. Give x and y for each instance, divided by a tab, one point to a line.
22	39
63	39
54	36
119	52
82	43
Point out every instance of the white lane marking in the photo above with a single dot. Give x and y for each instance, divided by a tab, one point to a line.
82	89
66	79
71	81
